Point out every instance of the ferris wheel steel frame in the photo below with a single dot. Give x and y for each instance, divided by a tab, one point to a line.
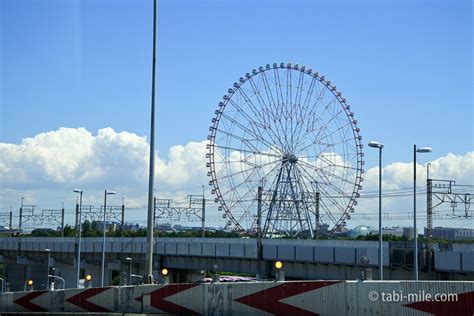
262	130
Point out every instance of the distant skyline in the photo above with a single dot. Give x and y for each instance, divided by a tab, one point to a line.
75	87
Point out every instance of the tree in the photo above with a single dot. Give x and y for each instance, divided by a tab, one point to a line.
69	231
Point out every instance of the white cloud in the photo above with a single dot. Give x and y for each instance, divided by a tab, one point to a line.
399	175
74	155
45	168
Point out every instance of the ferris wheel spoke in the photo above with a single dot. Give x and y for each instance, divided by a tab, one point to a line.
271	100
333	165
260	153
241	139
317	102
318	170
249	119
289	106
260	100
326	147
303	189
296	108
333	119
340	128
311	143
268	109
235	192
282	106
319	138
315	117
259	138
233	189
305	106
326	195
240	199
247	170
262	104
309	95
322	127
266	127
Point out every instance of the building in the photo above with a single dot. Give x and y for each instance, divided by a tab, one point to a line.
449	233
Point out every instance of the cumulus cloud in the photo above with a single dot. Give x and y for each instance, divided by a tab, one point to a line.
399	175
74	155
45	168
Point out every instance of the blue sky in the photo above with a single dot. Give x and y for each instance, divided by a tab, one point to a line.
404	66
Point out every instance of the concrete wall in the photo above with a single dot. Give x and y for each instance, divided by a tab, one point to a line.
281	298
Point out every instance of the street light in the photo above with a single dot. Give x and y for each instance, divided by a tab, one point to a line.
378	145
29	285
87	281
280	275
129	270
103	239
47	274
415	253
78	273
164	276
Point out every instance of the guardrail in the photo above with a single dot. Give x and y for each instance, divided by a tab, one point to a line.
279	298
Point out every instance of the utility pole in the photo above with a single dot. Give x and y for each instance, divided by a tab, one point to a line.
11	223
21	216
123	218
318	219
259	230
62	220
203	213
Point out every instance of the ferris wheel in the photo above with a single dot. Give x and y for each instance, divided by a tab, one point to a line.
284	145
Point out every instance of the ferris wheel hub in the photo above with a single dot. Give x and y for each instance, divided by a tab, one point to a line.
290	158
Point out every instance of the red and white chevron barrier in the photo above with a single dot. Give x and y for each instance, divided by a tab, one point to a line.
265	298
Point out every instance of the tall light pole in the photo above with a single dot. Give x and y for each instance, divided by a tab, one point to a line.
379	146
47	274
79	238
102	270
415	233
148	279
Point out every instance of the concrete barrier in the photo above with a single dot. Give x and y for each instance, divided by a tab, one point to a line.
278	298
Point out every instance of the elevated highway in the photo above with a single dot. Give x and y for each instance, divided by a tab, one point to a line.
25	258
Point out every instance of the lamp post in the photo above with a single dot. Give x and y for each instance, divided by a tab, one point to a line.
79	238
59	278
102	270
378	145
47	274
129	270
3	285
415	252
151	176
